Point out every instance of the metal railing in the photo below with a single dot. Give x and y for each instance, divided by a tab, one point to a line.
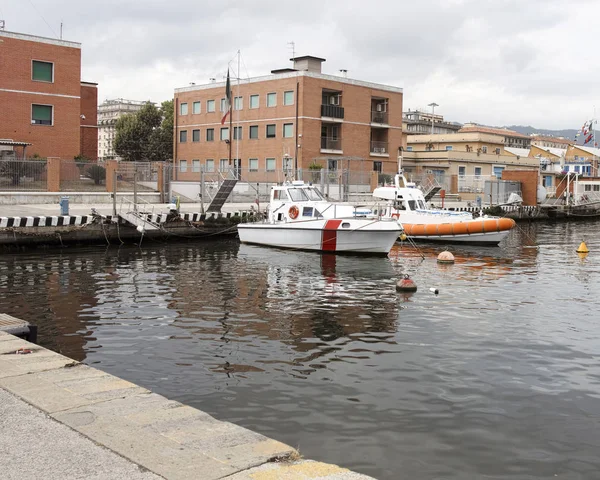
379	117
23	175
473	183
331	143
332	111
379	147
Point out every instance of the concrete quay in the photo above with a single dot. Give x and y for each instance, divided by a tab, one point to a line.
62	419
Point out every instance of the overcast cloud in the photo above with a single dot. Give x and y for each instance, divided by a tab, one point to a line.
496	62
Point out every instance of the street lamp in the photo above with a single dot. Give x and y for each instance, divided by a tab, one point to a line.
432	105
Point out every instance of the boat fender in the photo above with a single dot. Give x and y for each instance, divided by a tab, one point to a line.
406	285
434	290
293	212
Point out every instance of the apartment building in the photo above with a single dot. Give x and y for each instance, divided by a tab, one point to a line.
108	114
511	138
43	100
552	142
421	123
293	118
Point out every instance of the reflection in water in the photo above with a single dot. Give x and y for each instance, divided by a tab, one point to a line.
321	352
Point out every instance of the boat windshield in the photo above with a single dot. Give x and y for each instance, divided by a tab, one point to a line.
313	194
298	194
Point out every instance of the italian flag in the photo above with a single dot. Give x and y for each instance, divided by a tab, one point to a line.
227	99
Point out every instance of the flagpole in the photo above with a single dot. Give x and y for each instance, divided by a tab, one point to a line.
237	142
230	128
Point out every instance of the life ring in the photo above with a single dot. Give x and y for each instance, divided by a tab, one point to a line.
293	212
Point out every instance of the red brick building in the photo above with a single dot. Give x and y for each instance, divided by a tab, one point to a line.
42	98
292	118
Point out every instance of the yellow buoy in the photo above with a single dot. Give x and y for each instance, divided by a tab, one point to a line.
445	257
403	236
582	248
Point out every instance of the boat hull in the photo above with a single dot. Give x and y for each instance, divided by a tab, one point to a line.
477	231
333	236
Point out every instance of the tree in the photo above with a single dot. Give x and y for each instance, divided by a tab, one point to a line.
146	135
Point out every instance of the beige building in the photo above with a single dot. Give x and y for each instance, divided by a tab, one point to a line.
108	114
552	142
471	157
293	118
510	137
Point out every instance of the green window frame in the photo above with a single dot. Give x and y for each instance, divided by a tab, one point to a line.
41	114
42	71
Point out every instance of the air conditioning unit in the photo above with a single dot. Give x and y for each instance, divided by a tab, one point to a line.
334	100
380	107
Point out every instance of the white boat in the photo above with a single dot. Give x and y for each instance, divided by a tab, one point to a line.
420	222
298	217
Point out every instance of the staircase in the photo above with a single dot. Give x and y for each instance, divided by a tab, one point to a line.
221	196
139	219
429	194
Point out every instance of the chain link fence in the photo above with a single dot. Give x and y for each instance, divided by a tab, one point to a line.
23	175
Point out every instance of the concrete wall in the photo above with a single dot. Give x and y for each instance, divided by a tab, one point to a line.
86	198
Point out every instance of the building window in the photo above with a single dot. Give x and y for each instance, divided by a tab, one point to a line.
225	133
223	165
271	133
42	71
210	165
210	134
270	164
254	101
484	149
377	167
210	106
271	99
253	164
195	135
183	110
288	98
462	171
237	133
409	149
196	107
448	148
42	114
253	131
477	171
497	171
238	103
288	130
195	165
223	104
596	188
183	165
183	136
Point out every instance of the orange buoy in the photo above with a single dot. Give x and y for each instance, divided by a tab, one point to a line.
406	285
445	257
582	248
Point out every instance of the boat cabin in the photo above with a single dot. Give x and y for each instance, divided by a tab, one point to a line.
405	196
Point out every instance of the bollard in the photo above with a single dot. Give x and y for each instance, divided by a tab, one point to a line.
64	205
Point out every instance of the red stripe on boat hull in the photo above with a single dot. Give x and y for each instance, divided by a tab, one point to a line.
329	236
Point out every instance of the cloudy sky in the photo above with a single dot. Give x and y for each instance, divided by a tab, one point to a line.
495	62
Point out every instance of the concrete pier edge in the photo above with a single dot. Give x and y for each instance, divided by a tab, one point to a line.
162	436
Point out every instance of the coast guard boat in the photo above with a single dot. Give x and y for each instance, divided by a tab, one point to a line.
408	206
299	217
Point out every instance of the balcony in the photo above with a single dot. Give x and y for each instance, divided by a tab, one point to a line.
379	149
379	117
332	111
331	144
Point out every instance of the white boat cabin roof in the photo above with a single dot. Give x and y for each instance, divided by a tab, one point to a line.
296	191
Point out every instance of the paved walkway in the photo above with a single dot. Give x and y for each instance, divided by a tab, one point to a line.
62	419
46	210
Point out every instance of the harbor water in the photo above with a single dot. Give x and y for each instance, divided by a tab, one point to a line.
497	376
